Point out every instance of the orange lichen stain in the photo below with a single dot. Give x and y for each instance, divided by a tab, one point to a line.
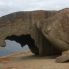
9	68
4	59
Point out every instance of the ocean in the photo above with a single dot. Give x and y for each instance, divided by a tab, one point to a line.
12	46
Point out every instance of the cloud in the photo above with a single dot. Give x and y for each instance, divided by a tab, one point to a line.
8	6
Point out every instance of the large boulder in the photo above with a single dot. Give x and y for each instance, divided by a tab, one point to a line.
47	29
56	30
24	23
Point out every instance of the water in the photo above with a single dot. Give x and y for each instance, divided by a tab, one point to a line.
12	46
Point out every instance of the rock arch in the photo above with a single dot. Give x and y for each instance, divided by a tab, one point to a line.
23	40
28	22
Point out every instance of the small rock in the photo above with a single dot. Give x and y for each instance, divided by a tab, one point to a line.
11	68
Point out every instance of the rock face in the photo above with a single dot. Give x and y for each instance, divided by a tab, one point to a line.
47	29
55	29
25	23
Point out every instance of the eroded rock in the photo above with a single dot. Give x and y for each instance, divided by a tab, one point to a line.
48	30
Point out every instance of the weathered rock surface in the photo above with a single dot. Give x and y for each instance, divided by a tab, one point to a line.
56	30
48	29
24	23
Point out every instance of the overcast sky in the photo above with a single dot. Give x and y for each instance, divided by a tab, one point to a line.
8	6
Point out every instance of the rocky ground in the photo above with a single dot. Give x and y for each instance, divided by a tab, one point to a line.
26	60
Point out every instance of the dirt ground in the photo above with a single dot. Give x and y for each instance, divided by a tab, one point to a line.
26	60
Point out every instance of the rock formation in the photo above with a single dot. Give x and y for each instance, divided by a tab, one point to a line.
25	23
46	32
55	29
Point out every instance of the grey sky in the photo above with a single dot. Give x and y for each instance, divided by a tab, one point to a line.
8	6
